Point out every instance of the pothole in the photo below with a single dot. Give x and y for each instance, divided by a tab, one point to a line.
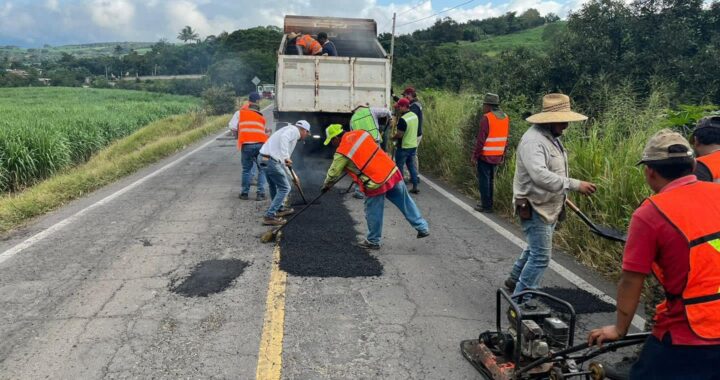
210	277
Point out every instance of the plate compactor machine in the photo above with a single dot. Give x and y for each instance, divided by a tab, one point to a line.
538	343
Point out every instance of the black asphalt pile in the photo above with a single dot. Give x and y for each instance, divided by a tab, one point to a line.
322	241
584	302
209	277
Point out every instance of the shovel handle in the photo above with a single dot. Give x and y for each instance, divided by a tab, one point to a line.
296	181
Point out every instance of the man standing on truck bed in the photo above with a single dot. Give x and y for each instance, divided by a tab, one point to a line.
328	47
274	156
307	44
374	171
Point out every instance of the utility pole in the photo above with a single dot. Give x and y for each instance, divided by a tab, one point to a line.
392	42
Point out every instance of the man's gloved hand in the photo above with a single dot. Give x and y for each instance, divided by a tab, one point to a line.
325	187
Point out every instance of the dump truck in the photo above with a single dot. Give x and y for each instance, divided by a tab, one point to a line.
323	89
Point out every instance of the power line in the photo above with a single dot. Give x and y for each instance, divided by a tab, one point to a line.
433	15
413	8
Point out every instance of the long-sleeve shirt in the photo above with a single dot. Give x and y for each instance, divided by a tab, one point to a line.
329	49
233	124
482	135
541	173
281	144
341	163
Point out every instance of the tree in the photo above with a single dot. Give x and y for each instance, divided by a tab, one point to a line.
188	34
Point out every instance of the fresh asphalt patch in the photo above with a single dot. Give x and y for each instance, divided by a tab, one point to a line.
322	241
210	277
582	301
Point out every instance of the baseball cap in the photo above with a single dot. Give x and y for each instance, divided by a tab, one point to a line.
708	122
303	124
491	99
658	148
409	90
402	103
254	97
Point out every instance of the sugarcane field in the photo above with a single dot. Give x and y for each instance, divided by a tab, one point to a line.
391	189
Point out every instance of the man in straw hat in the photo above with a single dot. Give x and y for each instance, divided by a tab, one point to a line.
674	234
540	186
490	148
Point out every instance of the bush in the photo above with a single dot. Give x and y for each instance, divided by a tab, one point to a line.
219	100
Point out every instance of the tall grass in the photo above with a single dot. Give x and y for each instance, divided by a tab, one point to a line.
44	130
603	150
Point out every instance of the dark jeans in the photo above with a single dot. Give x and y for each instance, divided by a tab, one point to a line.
406	157
662	360
486	183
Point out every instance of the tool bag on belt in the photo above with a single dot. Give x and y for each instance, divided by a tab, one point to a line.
365	153
694	210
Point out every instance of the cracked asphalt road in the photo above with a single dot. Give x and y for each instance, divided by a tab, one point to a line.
93	300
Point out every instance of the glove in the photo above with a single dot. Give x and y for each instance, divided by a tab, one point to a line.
325	187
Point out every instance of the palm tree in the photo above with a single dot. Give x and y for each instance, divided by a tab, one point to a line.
187	34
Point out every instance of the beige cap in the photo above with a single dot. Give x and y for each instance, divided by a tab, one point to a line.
293	35
658	147
556	109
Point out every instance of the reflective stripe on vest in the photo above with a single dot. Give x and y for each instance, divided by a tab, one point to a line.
251	128
497	138
409	139
693	210
310	45
363	120
371	161
712	162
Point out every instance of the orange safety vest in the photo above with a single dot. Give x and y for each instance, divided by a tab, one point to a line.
497	136
365	153
712	161
251	128
310	45
694	210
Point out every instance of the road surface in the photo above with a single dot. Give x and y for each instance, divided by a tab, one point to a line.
168	279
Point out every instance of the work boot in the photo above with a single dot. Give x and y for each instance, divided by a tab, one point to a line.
285	211
422	234
415	190
243	196
260	197
366	244
510	284
273	221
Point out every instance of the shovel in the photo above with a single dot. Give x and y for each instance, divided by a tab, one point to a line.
603	231
296	181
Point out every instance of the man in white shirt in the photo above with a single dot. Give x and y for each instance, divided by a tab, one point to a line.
274	155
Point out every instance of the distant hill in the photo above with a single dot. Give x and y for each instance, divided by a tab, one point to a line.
492	46
79	51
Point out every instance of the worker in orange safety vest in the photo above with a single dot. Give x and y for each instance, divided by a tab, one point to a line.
378	177
305	42
252	134
490	148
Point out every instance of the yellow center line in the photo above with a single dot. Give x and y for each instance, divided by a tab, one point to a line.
269	364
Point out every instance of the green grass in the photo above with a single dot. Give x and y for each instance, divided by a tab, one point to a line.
45	130
603	151
531	39
157	140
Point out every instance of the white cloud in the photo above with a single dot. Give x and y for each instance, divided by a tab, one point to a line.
112	14
182	13
52	5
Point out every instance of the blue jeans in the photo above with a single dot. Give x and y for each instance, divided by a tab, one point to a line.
530	266
407	157
277	182
486	183
662	360
249	155
375	207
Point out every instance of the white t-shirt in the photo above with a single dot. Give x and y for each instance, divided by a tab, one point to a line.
281	144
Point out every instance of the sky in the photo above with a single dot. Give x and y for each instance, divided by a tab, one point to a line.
33	23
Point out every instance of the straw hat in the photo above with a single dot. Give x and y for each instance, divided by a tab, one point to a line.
292	35
556	109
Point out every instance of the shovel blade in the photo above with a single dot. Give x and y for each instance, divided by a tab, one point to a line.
609	233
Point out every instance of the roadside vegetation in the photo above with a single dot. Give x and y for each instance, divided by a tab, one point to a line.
46	130
159	139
